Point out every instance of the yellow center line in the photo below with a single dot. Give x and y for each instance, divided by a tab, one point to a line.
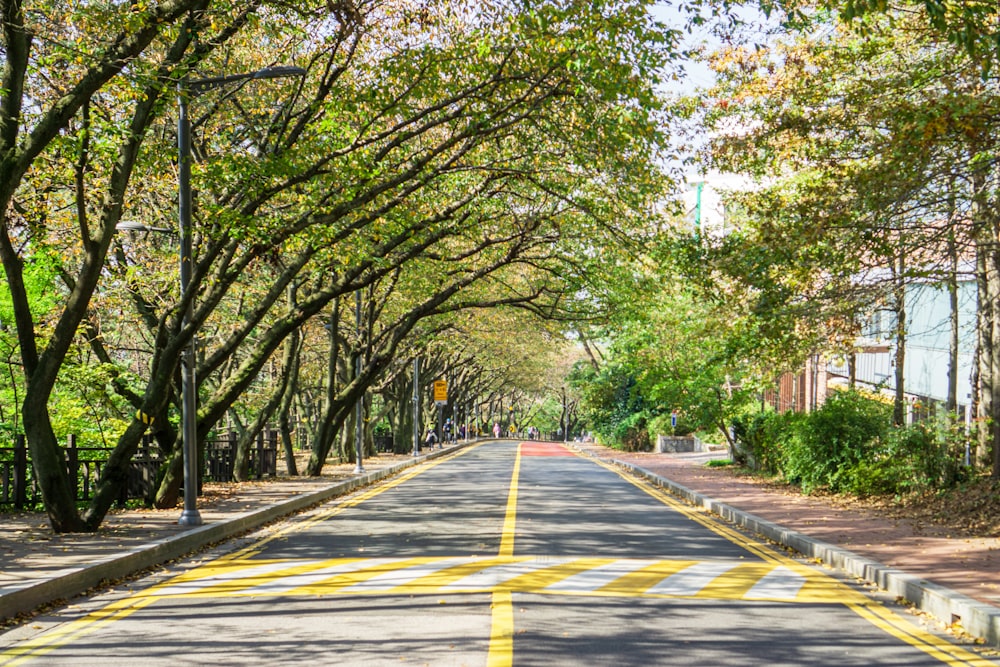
221	578
501	653
501	631
510	517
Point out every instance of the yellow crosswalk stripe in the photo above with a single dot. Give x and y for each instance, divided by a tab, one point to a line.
731	580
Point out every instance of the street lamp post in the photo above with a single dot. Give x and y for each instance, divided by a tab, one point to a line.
359	407
416	406
185	89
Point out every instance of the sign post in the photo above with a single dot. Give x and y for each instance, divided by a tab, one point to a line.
440	400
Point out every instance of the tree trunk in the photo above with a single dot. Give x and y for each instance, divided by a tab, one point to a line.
293	347
951	403
169	490
984	224
241	470
984	352
899	295
993	280
49	464
323	437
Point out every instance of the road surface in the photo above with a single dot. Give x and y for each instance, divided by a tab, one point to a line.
502	554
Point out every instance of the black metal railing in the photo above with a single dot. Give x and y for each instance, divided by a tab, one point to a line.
19	488
220	456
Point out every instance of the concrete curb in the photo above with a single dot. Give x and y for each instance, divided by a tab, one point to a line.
979	619
75	581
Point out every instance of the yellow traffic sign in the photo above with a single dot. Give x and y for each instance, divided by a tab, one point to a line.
440	391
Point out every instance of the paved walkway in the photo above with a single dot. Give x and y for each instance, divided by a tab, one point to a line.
30	556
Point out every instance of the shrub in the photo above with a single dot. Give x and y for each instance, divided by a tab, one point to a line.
633	434
910	459
660	425
761	438
835	439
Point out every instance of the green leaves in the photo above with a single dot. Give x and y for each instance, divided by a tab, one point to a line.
971	25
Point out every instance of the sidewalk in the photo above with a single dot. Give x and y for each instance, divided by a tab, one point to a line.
952	578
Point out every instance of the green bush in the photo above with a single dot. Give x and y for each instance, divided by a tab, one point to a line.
911	458
850	446
761	439
943	459
835	439
633	434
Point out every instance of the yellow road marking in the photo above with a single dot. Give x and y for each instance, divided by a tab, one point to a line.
645	578
537	580
897	626
501	653
120	609
236	575
433	583
353	501
820	587
736	583
35	648
510	517
342	581
437	575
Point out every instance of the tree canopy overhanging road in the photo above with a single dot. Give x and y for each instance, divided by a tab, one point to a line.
389	193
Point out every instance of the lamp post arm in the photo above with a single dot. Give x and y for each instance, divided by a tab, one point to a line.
198	86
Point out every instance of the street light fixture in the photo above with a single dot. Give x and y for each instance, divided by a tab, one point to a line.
192	88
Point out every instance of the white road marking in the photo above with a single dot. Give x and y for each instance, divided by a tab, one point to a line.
691	580
303	579
195	585
778	584
401	577
489	577
597	577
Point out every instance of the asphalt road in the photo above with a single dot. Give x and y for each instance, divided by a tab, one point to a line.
502	554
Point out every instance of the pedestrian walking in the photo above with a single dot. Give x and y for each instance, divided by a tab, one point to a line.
496	429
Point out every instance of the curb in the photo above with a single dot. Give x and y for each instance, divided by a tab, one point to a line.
977	618
75	581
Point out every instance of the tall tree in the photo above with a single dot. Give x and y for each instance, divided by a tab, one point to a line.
880	126
434	146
